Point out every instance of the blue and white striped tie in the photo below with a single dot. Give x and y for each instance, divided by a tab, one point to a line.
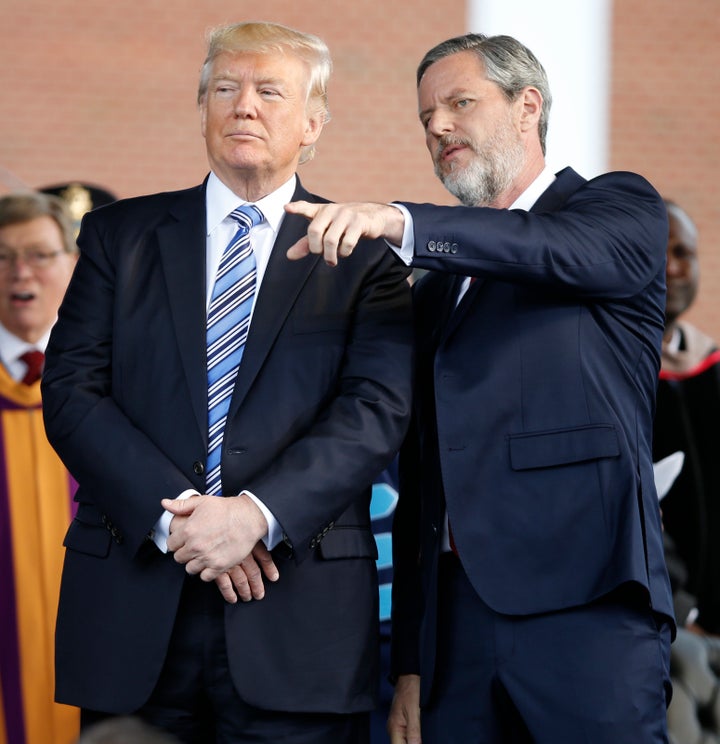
228	322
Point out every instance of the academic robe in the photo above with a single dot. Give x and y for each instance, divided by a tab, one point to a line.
688	419
35	510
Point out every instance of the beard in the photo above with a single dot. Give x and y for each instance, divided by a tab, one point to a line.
490	173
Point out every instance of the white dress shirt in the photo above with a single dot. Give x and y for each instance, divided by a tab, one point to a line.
220	202
12	348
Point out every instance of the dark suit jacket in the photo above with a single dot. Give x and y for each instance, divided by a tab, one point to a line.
321	404
534	404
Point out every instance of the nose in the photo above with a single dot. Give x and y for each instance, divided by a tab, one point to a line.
438	124
245	103
673	267
20	267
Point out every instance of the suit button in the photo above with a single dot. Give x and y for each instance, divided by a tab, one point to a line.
431	246
198	467
454	248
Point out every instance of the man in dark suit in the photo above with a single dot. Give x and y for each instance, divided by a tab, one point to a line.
531	601
319	405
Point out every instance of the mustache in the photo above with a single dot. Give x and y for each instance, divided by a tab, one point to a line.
452	140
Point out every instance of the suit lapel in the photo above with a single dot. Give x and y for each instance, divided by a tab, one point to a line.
281	284
182	243
460	308
566	183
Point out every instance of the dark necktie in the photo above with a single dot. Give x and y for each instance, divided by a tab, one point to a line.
34	360
228	323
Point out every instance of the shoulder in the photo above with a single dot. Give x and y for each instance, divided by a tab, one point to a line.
302	194
620	200
627	182
609	187
624	188
128	221
149	206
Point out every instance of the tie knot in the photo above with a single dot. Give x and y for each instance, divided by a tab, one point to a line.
34	360
247	216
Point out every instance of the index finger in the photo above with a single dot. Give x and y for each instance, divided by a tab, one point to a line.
304	208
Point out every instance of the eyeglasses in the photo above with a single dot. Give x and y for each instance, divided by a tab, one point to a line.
34	259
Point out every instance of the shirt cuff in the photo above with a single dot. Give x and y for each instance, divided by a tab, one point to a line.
274	534
406	251
161	530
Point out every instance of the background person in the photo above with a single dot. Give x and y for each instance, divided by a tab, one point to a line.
80	198
316	408
550	618
37	257
686	420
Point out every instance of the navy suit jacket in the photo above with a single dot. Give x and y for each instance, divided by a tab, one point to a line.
321	404
534	405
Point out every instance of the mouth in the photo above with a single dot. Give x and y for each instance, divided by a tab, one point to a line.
446	153
21	298
449	149
242	135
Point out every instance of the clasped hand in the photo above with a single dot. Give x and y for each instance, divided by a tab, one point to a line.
219	540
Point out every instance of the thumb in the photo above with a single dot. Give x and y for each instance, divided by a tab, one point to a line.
180	507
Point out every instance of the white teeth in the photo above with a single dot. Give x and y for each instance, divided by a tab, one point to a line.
23	296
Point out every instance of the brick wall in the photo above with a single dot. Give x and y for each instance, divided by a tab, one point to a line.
665	118
105	92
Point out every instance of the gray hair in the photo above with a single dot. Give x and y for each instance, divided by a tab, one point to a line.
508	63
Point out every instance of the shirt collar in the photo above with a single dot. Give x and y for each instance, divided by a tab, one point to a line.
675	342
532	193
220	201
13	347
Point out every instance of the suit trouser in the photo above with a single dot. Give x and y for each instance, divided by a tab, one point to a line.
196	700
596	674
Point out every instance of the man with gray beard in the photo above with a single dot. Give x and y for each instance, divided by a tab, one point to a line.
531	601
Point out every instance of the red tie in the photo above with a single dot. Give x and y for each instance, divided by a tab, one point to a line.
34	360
453	547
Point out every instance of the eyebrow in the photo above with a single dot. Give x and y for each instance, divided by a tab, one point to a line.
276	81
27	248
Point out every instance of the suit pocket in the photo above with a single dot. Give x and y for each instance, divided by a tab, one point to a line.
87	534
563	446
348	542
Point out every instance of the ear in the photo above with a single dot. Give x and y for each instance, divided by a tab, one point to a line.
203	116
532	100
314	126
